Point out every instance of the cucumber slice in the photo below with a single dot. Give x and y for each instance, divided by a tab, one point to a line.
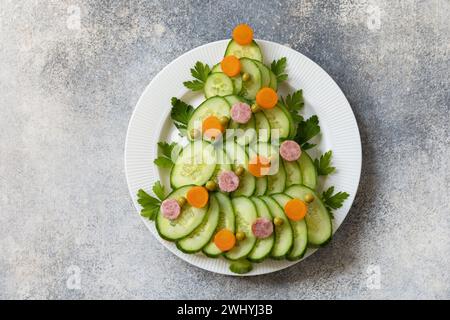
293	173
215	106
247	185
238	156
308	170
233	99
251	50
283	234
245	133
223	164
264	149
261	186
201	236
318	220
195	165
300	232
278	120
245	212
189	219
226	221
265	73
262	127
276	182
262	246
241	266
250	87
273	81
237	80
218	84
292	128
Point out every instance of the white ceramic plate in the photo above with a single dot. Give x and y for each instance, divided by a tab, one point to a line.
151	123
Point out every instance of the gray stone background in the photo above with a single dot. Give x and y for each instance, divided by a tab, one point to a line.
67	93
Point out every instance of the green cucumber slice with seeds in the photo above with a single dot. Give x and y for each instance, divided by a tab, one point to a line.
284	236
251	50
262	127
318	220
299	230
265	73
189	219
293	173
245	212
215	106
218	84
308	170
292	128
276	182
263	247
196	165
233	99
273	81
247	185
245	133
238	156
261	186
250	87
237	80
226	221
201	236
278	120
223	164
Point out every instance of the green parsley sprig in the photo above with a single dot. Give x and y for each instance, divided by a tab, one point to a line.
306	130
150	205
181	114
333	201
278	67
323	164
200	72
168	154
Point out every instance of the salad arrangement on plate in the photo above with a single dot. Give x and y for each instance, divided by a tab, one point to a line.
243	186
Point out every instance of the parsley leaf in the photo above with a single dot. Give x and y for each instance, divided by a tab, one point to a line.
333	201
306	130
200	72
169	153
194	85
158	190
150	205
323	165
278	67
294	103
180	114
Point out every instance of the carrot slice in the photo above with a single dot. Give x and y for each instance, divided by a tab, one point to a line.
197	196
267	98
295	209
231	66
211	127
224	240
259	166
243	34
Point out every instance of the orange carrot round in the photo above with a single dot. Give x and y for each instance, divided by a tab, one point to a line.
212	127
243	34
197	196
224	240
267	98
295	209
231	66
258	166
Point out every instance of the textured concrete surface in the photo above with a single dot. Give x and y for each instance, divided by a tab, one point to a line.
67	91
